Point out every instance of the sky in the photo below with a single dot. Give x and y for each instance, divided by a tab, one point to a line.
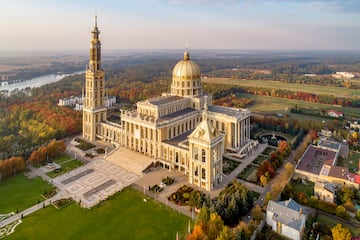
171	24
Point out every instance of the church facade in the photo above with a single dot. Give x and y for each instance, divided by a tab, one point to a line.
181	129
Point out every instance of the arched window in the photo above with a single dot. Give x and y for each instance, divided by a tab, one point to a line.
197	171
203	173
203	155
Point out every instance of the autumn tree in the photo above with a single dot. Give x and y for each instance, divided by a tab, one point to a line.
340	233
11	166
225	234
257	213
215	225
197	233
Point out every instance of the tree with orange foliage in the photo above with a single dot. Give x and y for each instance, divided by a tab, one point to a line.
11	166
197	234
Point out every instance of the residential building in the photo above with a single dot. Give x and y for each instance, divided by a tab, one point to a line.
286	218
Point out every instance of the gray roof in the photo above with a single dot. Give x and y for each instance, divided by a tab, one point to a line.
233	112
178	113
288	213
182	138
164	99
330	144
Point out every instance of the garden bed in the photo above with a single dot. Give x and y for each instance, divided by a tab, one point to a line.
247	172
182	195
63	202
168	180
156	188
84	145
229	165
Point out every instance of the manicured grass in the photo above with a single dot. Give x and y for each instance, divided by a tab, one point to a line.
332	222
19	192
62	158
123	216
336	91
65	167
247	172
229	165
307	189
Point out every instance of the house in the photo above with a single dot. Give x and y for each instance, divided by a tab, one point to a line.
286	218
335	113
325	191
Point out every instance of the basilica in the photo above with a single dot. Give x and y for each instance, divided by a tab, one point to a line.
180	129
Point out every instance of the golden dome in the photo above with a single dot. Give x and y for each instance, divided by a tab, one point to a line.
186	69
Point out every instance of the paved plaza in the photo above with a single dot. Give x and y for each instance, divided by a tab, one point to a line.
95	181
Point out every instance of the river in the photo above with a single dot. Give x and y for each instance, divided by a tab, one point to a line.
35	82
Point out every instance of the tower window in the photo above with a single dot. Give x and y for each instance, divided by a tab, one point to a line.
203	173
203	155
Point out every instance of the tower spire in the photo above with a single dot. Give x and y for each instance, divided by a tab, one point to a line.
95	20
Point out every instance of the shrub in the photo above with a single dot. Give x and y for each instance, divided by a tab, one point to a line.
168	180
100	151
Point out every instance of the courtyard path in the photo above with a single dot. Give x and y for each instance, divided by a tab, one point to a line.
244	162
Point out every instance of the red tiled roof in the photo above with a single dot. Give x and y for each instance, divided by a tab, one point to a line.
335	111
338	172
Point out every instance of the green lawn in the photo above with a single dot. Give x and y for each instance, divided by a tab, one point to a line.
308	189
62	158
352	163
332	222
123	216
244	175
336	91
283	105
18	192
65	167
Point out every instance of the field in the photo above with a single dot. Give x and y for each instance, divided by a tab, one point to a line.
336	91
123	216
283	105
15	194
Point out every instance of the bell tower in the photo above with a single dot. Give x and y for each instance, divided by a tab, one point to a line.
94	104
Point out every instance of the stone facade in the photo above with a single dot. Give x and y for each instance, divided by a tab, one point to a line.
167	128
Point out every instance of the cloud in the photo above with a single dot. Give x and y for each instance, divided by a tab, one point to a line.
342	6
